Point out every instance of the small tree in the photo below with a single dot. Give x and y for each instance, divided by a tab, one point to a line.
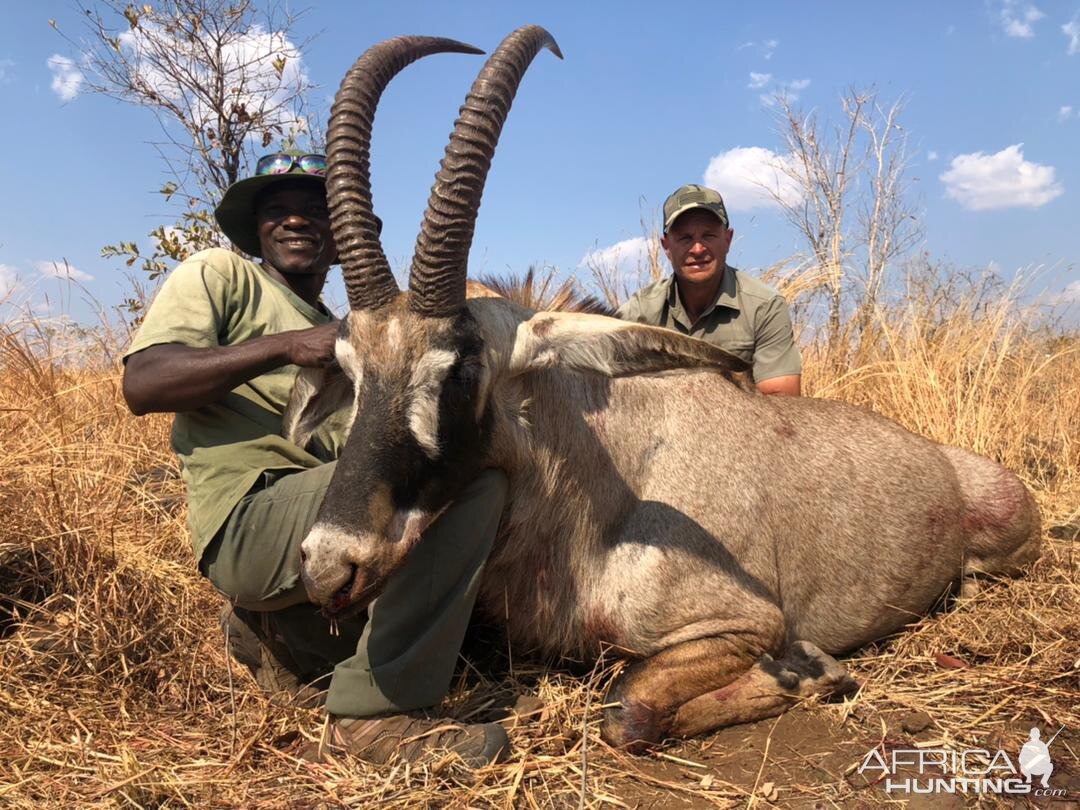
853	207
220	77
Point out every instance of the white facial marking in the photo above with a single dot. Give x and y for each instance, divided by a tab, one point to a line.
349	360
326	564
425	386
407	524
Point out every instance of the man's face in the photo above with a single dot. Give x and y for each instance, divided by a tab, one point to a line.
294	228
697	245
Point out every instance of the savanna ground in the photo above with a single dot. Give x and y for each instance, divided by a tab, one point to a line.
115	690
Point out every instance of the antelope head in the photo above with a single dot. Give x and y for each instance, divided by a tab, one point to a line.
413	357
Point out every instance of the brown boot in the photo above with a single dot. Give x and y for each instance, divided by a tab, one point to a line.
412	738
276	679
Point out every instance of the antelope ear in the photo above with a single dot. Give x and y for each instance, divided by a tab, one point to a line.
597	344
316	394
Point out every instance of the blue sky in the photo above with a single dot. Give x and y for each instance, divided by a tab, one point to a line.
646	99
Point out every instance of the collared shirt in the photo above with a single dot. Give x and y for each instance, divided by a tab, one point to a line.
217	298
748	319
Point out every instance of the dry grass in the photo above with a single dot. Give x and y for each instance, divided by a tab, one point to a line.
115	690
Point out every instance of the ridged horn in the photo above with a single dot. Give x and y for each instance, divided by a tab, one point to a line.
437	278
368	279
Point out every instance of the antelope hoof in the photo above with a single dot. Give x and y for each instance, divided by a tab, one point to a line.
806	670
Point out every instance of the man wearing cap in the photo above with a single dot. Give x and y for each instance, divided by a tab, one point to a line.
708	299
220	348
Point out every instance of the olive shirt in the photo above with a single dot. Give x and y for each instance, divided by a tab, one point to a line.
217	298
748	319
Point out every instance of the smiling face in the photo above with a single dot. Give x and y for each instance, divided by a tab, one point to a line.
697	244
294	228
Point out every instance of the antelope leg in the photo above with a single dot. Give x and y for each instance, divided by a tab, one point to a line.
702	685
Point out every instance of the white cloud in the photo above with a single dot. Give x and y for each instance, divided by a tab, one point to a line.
628	254
66	77
798	85
61	269
9	280
1065	112
745	176
981	182
1072	31
766	47
759	80
931	155
250	73
5	64
1016	18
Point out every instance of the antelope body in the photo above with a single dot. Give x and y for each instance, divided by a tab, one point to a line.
724	541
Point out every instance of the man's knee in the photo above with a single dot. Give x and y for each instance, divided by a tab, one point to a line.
255	557
269	588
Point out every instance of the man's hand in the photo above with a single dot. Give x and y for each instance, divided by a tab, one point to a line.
313	348
169	377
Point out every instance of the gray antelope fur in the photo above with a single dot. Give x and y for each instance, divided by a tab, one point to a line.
724	542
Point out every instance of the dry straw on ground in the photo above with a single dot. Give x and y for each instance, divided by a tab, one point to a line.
114	687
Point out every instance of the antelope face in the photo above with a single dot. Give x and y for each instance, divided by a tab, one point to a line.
419	434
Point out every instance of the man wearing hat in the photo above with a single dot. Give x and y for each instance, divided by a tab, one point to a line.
220	348
708	299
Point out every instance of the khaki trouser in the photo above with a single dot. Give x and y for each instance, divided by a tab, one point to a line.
400	655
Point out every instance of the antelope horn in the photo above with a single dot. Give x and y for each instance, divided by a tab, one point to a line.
437	278
368	279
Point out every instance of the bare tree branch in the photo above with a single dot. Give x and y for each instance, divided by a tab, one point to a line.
853	208
223	78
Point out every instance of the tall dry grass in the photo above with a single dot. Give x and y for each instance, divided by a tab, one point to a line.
115	690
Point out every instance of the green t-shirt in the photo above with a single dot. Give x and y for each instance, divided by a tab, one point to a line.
217	298
748	319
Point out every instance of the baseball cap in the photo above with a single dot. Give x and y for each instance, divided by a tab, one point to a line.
694	196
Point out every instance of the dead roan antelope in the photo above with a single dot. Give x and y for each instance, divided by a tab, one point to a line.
725	542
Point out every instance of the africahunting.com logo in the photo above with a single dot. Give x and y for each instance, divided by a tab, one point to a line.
972	770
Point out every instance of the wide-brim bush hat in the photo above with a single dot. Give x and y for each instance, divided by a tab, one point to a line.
235	213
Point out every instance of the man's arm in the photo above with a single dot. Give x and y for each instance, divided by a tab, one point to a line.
789	384
170	377
777	365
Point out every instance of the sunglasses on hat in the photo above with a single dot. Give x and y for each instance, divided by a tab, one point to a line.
283	163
